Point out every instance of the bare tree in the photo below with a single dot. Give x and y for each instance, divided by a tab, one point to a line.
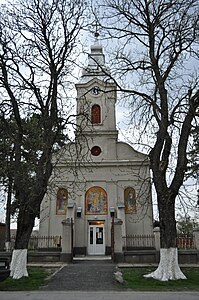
38	46
155	44
6	177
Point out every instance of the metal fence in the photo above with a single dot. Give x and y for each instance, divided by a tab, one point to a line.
41	242
138	241
186	242
129	242
148	242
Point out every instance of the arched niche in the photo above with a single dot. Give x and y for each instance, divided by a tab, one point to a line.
96	201
62	201
130	200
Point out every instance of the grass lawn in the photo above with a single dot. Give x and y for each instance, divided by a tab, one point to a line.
36	279
134	280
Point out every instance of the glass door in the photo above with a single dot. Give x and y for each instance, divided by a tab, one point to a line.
96	238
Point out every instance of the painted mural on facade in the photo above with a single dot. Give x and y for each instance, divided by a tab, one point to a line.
96	201
130	200
62	201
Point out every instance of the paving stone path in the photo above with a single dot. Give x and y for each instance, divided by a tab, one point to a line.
84	275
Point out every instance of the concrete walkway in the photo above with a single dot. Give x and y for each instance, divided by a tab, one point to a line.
98	295
84	275
88	273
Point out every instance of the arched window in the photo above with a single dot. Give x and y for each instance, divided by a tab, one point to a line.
96	201
62	201
130	200
96	114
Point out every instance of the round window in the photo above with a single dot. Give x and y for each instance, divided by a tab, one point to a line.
96	151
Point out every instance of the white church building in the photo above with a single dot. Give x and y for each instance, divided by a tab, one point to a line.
97	177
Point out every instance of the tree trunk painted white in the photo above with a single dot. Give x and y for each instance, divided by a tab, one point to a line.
18	266
8	246
168	268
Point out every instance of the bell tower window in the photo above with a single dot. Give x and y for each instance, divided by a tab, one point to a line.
96	114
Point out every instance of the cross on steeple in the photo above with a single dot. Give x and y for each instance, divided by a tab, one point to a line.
96	34
95	23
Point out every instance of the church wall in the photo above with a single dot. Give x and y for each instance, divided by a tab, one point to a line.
105	173
137	223
50	222
79	232
44	217
109	171
108	147
108	113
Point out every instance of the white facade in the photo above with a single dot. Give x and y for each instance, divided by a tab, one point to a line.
97	176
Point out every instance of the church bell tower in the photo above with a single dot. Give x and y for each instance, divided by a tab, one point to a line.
96	99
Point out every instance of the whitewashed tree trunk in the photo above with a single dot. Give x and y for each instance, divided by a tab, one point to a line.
8	246
168	268
18	266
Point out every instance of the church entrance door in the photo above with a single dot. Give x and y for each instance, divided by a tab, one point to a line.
96	238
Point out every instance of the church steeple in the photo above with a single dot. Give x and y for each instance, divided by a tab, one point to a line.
96	62
96	59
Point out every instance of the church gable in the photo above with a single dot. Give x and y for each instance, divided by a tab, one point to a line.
126	152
